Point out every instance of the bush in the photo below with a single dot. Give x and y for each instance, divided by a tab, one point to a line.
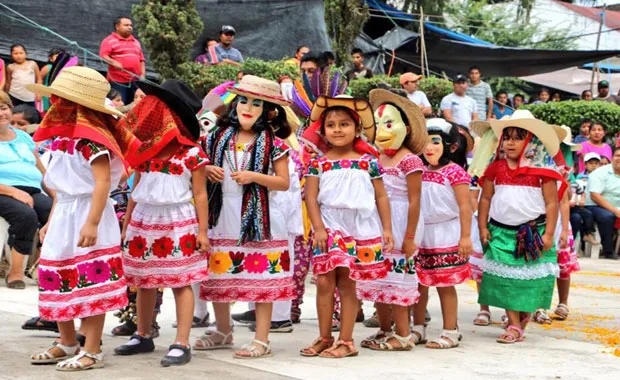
203	78
435	88
571	113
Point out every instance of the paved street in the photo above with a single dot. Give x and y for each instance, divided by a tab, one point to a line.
579	348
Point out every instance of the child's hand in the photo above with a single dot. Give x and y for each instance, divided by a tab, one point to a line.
465	246
244	177
572	203
202	242
43	232
388	241
320	240
88	235
485	235
547	241
214	173
409	248
564	239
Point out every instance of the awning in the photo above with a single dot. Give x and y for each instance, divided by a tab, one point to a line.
573	80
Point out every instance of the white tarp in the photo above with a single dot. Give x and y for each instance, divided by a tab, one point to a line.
573	80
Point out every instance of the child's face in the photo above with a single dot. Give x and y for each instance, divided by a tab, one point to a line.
433	150
585	129
543	96
592	165
597	133
513	145
18	121
138	95
604	161
249	110
18	54
118	102
340	128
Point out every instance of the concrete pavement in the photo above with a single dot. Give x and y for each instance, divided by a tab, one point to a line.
580	348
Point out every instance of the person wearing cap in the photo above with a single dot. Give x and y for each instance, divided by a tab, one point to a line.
581	218
81	241
457	107
604	93
223	52
480	91
125	59
409	82
359	71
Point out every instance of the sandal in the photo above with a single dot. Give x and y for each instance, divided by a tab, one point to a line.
542	318
36	323
255	352
419	334
207	343
310	351
447	339
372	322
561	312
331	352
74	364
378	336
405	342
15	284
509	338
295	315
48	358
483	318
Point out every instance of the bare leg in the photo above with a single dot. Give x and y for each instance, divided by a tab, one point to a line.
401	320
145	303
563	290
349	308
384	315
326	284
16	272
419	309
449	307
263	324
222	316
93	329
184	300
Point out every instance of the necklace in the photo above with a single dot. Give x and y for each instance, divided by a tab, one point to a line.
231	154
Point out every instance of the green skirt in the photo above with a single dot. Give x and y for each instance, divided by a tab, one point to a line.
514	284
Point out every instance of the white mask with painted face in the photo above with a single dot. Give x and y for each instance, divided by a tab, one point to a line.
391	129
249	110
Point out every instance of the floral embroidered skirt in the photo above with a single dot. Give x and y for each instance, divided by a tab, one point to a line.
567	257
438	263
80	282
160	247
515	284
475	259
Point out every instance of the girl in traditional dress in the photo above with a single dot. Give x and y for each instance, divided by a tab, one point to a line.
350	215
251	260
81	269
517	216
401	135
446	245
165	235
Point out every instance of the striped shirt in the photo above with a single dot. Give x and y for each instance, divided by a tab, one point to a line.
480	93
128	52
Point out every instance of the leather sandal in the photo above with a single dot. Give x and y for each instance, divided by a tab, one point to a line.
254	350
205	342
48	358
310	351
405	343
380	335
331	352
74	364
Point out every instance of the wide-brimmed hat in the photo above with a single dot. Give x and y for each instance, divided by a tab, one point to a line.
568	140
359	106
260	88
418	136
468	137
180	98
549	135
80	85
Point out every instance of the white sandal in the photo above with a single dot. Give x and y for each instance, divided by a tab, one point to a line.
48	358
483	318
447	339
419	334
380	335
207	342
406	343
255	352
74	364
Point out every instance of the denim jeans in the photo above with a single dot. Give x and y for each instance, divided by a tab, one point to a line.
605	220
127	90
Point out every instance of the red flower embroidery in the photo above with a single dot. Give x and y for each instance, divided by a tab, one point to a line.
86	151
69	277
175	169
236	256
142	167
62	145
137	247
364	165
326	166
285	261
342	245
162	247
188	244
181	152
156	166
116	264
315	164
191	162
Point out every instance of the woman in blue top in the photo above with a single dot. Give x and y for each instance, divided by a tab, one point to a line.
22	201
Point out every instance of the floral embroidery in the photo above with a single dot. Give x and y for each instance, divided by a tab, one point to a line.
187	244
163	247
237	261
197	158
116	265
219	262
69	278
279	149
256	263
137	247
85	275
366	163
160	166
365	255
98	271
49	280
402	266
89	148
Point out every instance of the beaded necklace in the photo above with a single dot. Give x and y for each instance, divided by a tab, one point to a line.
245	157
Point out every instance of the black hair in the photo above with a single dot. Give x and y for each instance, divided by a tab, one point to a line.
327	55
474	68
207	40
54	51
117	21
613	150
273	118
310	58
459	156
357	51
447	140
16	46
544	89
583	93
594	122
520	96
348	111
555	92
113	94
30	113
500	92
584	121
520	132
301	47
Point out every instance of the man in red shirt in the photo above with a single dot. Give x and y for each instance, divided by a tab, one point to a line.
125	59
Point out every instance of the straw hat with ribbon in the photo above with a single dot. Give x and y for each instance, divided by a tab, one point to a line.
359	106
80	85
260	88
417	135
568	140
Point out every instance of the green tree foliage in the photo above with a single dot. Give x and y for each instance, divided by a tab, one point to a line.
571	113
499	26
168	29
344	20
434	7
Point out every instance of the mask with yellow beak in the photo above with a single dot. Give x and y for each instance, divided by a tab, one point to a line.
391	129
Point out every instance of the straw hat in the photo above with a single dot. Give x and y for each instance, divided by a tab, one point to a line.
418	136
80	85
568	140
359	106
260	88
468	137
524	119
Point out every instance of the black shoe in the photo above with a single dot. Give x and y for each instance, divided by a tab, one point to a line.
427	316
276	327
36	323
167	361
145	345
82	339
245	318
